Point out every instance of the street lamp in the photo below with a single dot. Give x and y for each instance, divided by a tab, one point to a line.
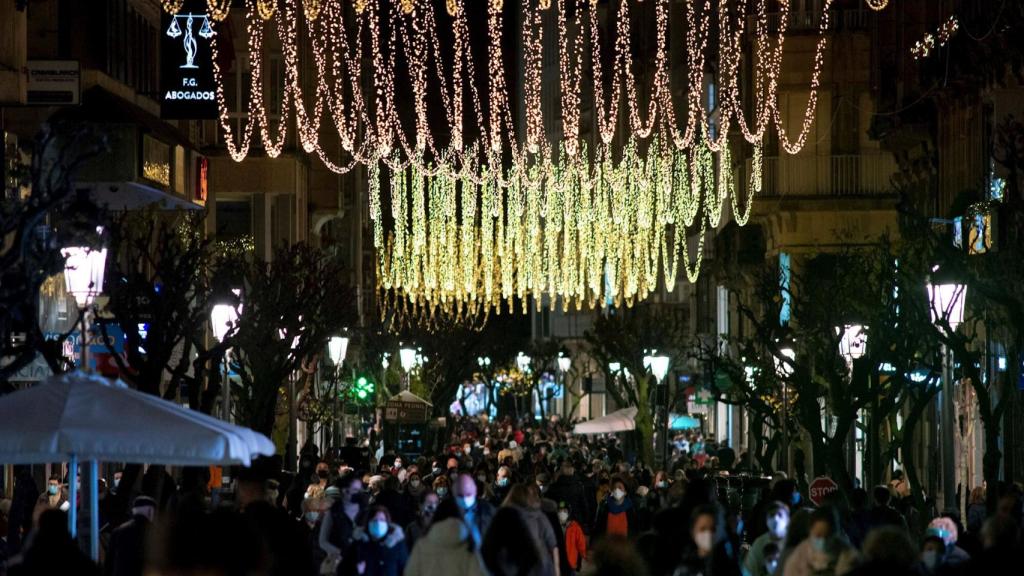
946	304
523	362
83	273
564	363
222	318
853	342
407	358
83	277
658	366
337	348
784	369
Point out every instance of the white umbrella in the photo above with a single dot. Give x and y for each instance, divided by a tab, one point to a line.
618	421
79	416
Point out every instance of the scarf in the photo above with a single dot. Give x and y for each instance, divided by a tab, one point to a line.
616	507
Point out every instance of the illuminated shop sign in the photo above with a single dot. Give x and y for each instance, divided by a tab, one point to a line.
187	85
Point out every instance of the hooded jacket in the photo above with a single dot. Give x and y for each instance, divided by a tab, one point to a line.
445	549
385	557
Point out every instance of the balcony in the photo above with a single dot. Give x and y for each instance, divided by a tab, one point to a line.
847	175
809	21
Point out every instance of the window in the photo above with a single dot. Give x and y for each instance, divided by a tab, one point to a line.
156	161
180	170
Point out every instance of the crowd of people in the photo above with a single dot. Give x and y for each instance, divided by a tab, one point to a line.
509	499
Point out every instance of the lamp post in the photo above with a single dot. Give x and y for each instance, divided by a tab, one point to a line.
484	362
658	366
853	342
293	417
407	358
784	369
946	306
222	318
84	267
564	363
337	349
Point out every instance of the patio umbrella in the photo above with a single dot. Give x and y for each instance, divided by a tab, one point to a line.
79	416
618	421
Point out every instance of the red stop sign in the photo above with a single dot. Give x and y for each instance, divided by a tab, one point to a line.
820	488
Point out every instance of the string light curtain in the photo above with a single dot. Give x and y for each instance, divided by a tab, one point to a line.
490	210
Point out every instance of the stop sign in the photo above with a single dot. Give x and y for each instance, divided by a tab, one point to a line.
820	488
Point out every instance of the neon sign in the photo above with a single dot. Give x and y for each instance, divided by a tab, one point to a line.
188	89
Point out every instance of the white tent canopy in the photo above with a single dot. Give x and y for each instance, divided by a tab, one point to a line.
78	416
93	418
618	421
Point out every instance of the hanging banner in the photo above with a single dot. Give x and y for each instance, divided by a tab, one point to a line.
187	88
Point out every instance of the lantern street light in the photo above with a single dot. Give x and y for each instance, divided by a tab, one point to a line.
564	363
223	318
407	358
853	341
337	348
523	362
83	277
784	369
657	364
946	305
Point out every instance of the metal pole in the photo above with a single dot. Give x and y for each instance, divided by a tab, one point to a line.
784	456
73	497
290	452
948	431
664	430
226	391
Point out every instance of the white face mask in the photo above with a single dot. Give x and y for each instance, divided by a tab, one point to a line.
703	540
618	493
312	517
467	502
563	516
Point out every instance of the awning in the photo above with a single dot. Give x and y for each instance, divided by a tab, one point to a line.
618	421
682	422
118	196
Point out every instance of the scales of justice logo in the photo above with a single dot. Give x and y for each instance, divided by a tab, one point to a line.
189	82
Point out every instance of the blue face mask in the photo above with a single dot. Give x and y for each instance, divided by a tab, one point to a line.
796	497
818	544
53	489
442	492
378	529
503	482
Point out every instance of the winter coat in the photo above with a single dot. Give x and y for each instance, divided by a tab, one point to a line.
445	549
806	561
385	557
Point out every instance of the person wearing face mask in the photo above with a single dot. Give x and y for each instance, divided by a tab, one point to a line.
380	548
824	551
777	520
54	497
710	551
476	513
575	541
616	516
502	484
442	487
446	548
567	488
338	525
428	504
414	487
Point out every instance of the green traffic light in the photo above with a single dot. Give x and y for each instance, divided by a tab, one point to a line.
361	382
361	394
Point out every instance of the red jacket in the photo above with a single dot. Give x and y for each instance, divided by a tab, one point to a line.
575	544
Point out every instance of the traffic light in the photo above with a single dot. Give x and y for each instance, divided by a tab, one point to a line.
362	389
